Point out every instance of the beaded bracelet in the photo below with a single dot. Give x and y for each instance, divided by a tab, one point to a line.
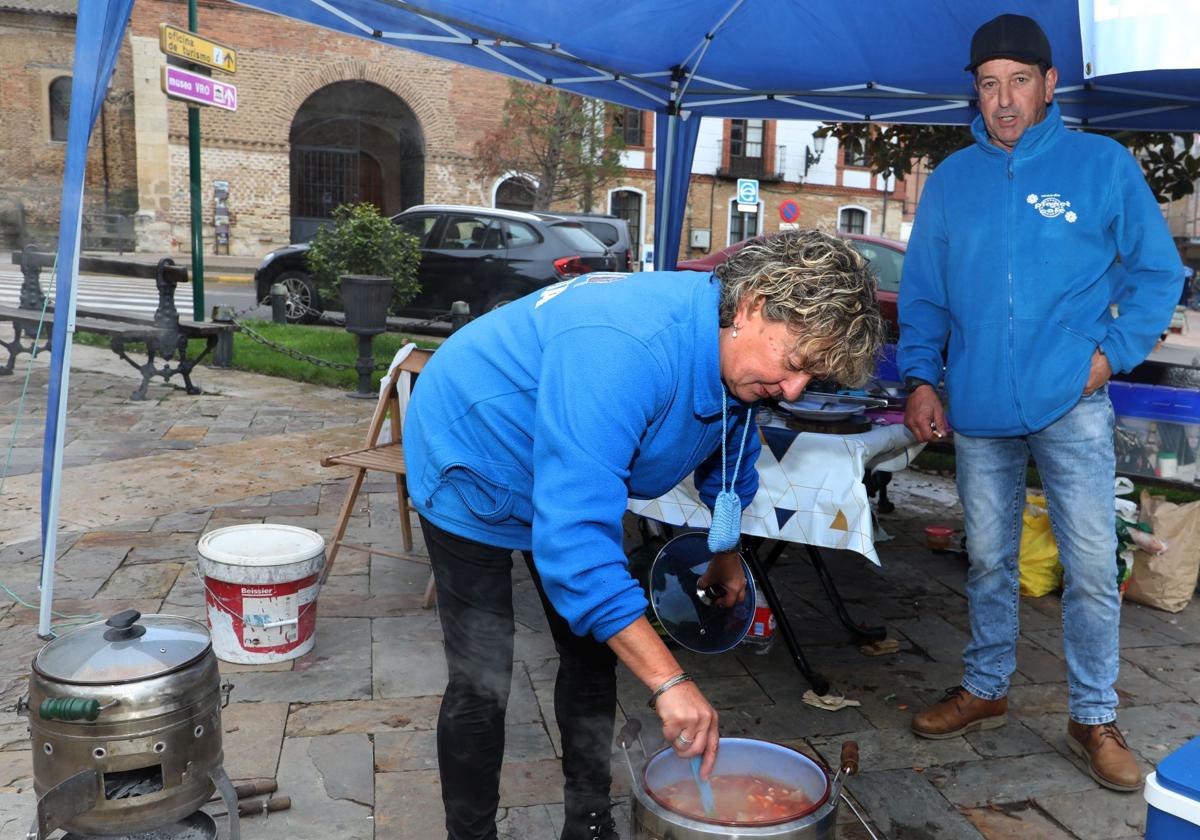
671	683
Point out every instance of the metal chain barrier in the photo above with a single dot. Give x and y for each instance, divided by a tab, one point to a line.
296	354
253	335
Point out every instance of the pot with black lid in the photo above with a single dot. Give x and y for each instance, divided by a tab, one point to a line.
125	723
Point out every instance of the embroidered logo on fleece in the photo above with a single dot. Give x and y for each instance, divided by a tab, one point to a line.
1051	205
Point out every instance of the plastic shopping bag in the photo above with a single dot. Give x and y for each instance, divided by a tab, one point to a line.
1040	571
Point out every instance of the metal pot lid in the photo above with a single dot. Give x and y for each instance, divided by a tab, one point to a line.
126	648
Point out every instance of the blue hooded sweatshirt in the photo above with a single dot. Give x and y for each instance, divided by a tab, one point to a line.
531	427
1014	261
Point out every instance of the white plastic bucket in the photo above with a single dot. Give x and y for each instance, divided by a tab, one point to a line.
261	585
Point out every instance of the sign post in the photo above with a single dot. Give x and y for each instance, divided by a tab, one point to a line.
196	89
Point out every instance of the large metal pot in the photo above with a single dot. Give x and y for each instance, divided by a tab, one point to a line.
651	819
125	721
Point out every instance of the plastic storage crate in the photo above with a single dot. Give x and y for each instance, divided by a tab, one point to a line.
1157	430
1173	796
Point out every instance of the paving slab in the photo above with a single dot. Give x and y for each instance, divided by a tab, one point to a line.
314	773
410	805
898	749
1017	822
1015	779
369	716
1012	739
1176	665
1098	813
906	806
252	736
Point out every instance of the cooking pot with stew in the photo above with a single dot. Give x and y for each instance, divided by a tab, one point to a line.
760	789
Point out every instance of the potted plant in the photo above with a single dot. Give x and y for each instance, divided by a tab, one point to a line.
361	243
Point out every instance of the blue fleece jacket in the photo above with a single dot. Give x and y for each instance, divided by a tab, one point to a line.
531	427
1014	261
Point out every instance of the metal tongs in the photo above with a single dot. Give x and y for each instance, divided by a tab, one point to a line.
848	766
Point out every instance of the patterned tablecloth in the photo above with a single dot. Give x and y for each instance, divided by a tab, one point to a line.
810	487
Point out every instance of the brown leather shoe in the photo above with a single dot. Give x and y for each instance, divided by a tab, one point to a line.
959	712
1108	758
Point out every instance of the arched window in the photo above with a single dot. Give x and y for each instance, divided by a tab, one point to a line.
60	108
515	193
852	220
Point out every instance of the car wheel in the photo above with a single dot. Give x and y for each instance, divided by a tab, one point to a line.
303	303
498	299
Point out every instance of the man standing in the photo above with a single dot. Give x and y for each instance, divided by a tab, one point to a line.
1021	243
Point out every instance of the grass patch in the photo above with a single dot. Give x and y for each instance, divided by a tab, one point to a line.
332	344
941	461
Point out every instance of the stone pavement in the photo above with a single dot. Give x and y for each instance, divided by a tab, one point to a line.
348	731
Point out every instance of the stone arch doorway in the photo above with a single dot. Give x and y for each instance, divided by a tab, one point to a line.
353	141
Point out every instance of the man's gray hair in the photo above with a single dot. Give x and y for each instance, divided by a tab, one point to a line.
821	288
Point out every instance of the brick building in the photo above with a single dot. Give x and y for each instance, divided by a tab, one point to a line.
324	118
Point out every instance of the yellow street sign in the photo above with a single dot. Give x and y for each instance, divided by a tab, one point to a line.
191	47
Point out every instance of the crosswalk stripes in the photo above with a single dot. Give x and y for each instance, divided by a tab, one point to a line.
129	295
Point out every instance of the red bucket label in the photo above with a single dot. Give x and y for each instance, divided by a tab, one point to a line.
268	617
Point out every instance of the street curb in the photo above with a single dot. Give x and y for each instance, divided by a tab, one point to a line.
230	278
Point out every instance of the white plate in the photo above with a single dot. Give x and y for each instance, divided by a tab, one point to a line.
821	409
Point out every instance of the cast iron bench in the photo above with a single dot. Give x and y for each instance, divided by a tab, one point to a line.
165	336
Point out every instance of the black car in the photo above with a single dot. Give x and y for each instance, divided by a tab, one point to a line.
613	231
483	256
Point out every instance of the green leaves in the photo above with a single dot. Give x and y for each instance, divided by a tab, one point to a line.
1170	161
561	141
360	241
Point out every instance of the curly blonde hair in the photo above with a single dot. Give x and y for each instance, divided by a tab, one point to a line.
821	288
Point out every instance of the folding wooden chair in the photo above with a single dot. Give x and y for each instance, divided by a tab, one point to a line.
382	456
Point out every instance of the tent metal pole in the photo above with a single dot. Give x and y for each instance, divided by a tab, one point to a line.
50	516
50	543
663	199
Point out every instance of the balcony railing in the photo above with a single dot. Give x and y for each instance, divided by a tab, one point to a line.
750	163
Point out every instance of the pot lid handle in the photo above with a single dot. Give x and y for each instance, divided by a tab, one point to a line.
124	626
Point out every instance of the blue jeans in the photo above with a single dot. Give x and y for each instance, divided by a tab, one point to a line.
1074	456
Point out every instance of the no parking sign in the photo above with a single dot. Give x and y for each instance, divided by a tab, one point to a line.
789	211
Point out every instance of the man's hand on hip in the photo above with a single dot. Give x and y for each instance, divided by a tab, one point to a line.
1100	374
924	415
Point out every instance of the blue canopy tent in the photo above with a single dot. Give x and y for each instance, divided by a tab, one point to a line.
684	59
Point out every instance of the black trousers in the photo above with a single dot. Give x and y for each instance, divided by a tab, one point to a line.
474	591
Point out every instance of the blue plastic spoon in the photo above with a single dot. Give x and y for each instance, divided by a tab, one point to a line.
706	791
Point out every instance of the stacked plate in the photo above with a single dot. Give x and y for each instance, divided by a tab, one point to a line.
814	406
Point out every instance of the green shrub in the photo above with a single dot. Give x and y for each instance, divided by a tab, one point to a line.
360	241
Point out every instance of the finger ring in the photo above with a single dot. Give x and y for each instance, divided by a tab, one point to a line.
683	740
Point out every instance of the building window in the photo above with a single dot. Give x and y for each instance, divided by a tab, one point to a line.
515	194
60	108
854	153
741	225
627	205
852	220
631	125
746	138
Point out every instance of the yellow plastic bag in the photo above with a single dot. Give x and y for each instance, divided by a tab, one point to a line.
1041	572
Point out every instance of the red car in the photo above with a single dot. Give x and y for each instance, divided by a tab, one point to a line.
886	257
